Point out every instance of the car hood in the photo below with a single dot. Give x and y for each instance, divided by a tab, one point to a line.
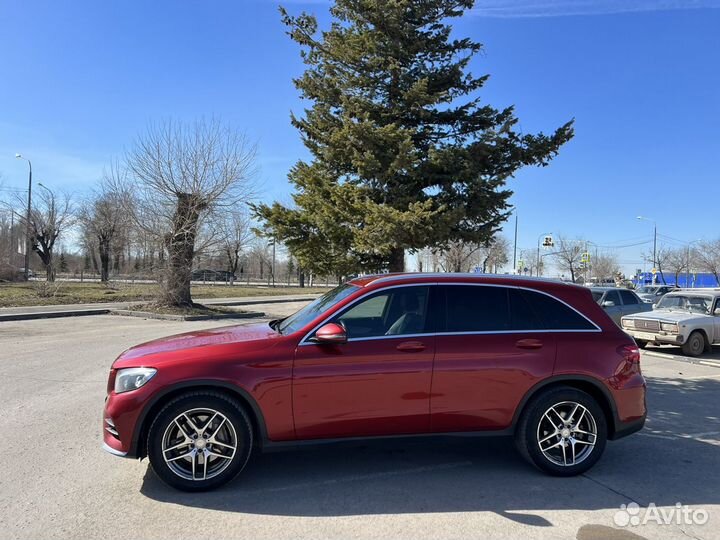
667	315
253	337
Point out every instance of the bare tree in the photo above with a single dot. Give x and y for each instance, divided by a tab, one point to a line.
104	221
707	255
568	255
236	236
605	267
182	177
660	259
530	262
458	256
676	261
495	254
50	216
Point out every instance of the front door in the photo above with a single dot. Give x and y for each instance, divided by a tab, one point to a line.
378	383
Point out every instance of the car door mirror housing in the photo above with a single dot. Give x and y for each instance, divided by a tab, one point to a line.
608	303
330	333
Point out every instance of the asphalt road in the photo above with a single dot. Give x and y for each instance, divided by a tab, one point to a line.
56	482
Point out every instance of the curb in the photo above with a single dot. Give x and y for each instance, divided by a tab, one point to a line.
52	314
169	317
259	300
104	311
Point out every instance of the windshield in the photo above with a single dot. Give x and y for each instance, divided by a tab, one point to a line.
680	302
646	290
302	317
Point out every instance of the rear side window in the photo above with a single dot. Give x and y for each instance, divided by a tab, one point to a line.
554	314
476	309
628	298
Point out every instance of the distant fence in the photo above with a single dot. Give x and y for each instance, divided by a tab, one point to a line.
247	280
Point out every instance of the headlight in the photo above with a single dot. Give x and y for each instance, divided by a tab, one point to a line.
132	378
628	323
669	327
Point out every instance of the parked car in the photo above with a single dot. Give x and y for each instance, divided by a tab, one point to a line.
212	275
652	294
618	302
689	318
387	355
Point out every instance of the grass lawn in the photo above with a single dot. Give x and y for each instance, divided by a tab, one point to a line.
63	292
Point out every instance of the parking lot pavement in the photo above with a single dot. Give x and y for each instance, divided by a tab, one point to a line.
56	482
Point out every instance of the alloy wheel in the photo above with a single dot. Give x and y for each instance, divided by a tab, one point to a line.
199	444
567	433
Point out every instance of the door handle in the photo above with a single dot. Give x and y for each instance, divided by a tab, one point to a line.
529	344
411	346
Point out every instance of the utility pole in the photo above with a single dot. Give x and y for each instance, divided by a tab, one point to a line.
538	260
273	262
643	218
515	244
28	245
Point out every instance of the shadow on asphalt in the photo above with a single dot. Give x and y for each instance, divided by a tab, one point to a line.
660	465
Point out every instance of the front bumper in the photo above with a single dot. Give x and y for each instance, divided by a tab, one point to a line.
123	413
656	337
109	449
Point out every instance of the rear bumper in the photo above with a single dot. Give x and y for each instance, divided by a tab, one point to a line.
623	429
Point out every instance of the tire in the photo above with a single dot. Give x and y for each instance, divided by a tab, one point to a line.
641	343
695	344
579	451
207	447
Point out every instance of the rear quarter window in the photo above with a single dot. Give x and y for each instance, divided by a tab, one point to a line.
555	315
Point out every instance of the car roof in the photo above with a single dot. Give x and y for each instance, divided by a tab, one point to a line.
701	291
603	289
505	279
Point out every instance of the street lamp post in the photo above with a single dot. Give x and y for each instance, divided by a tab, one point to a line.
643	218
28	246
538	262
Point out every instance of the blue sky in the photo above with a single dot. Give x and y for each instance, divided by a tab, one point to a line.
79	80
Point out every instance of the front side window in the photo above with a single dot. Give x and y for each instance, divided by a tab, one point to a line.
396	312
612	296
306	315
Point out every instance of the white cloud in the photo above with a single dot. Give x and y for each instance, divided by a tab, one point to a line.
558	8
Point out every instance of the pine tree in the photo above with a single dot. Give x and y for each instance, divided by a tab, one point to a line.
404	153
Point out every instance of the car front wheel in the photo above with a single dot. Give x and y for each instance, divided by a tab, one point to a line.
200	441
562	432
695	344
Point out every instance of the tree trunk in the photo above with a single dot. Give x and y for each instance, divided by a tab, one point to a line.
301	279
181	249
396	262
104	249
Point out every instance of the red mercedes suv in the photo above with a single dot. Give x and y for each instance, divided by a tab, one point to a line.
386	355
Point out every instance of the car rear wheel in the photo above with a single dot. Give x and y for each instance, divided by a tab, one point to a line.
695	344
641	343
200	441
562	432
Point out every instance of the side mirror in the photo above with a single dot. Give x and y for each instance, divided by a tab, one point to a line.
608	303
717	312
330	333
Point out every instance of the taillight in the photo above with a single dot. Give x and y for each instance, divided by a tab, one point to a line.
631	353
111	381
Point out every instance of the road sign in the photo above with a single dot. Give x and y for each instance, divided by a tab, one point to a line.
654	271
585	257
548	242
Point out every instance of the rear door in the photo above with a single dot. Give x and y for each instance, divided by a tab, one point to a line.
490	349
631	303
